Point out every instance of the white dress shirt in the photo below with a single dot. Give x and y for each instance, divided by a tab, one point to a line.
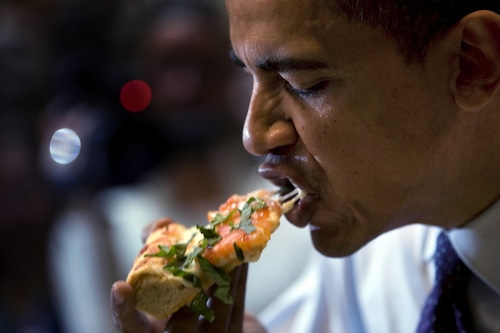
382	287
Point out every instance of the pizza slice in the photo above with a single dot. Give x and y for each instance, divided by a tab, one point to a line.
177	264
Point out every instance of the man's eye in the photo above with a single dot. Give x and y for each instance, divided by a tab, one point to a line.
307	92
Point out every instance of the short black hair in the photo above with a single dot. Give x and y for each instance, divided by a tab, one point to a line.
412	24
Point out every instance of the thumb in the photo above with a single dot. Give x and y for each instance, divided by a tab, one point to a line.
252	325
125	316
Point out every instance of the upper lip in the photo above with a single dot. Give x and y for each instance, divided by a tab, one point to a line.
283	173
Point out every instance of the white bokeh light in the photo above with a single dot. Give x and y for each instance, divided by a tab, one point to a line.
64	146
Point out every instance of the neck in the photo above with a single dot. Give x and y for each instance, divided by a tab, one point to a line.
476	168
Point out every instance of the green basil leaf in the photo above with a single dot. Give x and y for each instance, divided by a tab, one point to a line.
246	225
210	236
177	251
164	252
221	279
199	305
190	277
193	254
252	205
223	292
239	252
219	218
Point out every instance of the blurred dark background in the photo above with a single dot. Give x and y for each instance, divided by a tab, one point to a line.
63	64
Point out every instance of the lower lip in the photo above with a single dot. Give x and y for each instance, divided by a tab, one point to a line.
301	213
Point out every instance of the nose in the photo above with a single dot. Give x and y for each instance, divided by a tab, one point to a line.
267	124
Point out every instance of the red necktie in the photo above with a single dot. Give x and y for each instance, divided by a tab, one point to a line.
446	308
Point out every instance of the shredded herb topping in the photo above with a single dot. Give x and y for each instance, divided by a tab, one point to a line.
239	252
178	262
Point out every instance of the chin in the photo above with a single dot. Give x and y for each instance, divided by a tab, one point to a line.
334	245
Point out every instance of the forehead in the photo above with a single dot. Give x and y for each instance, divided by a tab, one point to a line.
305	30
278	21
287	9
276	14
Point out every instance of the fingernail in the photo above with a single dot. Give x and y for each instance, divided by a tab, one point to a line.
118	299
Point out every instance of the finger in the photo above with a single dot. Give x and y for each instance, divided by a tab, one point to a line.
229	317
239	286
125	316
184	320
157	325
153	226
252	325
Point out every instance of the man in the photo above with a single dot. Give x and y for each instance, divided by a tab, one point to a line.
387	114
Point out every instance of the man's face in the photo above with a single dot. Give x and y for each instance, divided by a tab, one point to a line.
340	115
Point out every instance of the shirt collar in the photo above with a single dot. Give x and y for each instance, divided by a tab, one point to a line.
429	243
478	246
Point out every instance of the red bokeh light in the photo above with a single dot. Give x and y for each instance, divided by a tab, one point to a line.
135	95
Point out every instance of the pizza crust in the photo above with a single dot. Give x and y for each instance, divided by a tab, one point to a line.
158	292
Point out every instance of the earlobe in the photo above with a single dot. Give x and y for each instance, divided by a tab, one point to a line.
478	78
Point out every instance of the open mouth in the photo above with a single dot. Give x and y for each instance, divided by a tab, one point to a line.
289	196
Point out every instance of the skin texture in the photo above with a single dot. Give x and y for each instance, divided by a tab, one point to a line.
376	142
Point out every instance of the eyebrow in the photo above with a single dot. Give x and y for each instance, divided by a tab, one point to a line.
274	64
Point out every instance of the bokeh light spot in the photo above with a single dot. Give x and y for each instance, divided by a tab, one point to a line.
64	146
135	95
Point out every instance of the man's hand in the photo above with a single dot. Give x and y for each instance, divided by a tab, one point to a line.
228	318
127	319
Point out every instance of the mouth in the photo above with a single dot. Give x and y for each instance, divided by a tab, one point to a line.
298	202
290	198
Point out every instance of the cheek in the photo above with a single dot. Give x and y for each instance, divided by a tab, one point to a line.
348	159
317	128
331	143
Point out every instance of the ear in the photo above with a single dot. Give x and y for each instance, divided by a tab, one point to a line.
478	77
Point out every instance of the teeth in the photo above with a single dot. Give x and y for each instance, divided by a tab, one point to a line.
289	199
